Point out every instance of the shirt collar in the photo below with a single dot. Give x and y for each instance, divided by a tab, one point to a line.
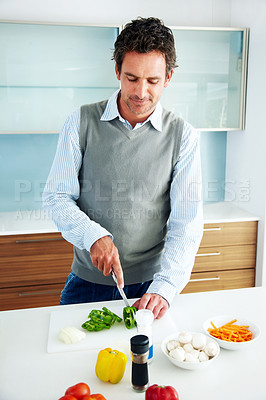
111	112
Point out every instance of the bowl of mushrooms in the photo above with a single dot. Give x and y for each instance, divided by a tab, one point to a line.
190	350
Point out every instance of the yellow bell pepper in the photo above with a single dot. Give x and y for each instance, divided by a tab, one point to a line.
110	365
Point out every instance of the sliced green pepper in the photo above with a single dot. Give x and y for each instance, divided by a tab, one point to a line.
100	319
129	317
89	326
100	316
118	319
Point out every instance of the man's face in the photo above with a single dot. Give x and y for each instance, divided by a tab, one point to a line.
143	78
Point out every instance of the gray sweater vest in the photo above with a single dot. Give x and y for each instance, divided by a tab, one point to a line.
125	181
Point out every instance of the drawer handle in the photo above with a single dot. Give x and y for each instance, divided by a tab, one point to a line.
212	229
38	293
205	279
208	254
38	240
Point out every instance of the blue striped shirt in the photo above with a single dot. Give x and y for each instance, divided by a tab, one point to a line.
185	223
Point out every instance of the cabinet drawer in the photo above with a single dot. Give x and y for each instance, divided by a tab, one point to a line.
221	280
34	270
231	233
30	296
30	245
225	258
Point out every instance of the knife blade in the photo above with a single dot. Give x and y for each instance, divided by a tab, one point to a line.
121	291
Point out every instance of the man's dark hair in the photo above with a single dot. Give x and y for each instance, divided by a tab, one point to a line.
144	35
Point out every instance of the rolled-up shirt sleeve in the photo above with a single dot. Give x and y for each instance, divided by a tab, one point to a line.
185	225
62	190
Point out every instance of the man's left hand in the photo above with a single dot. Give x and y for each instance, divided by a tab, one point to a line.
154	302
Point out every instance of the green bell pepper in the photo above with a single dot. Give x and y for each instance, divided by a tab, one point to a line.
129	317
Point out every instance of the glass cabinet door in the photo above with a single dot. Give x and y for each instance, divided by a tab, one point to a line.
47	71
208	87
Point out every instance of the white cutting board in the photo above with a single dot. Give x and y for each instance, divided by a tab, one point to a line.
117	336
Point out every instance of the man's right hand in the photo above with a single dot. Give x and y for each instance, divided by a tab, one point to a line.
105	257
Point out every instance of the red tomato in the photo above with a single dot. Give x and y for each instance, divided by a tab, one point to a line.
156	392
68	397
96	396
79	390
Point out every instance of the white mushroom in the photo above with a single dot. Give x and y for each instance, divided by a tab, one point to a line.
185	337
172	344
188	347
203	356
195	353
199	341
191	347
190	358
178	354
211	349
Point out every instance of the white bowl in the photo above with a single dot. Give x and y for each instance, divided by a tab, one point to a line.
186	364
223	319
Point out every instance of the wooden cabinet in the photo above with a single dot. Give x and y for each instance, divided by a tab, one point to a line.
33	269
226	258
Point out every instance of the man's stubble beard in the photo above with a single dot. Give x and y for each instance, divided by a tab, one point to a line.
136	110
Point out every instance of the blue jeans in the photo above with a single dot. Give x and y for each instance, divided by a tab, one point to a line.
78	290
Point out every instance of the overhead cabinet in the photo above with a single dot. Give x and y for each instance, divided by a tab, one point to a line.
48	70
208	88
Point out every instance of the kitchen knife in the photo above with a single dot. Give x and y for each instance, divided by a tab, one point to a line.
121	291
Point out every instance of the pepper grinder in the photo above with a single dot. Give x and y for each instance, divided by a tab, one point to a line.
139	351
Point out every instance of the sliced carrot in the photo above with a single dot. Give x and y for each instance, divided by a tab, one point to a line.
213	325
231	332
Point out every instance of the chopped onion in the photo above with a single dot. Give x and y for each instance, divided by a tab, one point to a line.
71	335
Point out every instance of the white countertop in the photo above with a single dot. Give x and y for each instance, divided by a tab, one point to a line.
226	212
26	222
28	372
38	221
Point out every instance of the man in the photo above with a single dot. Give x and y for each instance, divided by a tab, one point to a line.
125	185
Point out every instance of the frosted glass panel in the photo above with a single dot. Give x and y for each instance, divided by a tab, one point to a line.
207	87
47	71
43	109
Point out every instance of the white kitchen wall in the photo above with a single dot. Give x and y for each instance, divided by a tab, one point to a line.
246	160
173	12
